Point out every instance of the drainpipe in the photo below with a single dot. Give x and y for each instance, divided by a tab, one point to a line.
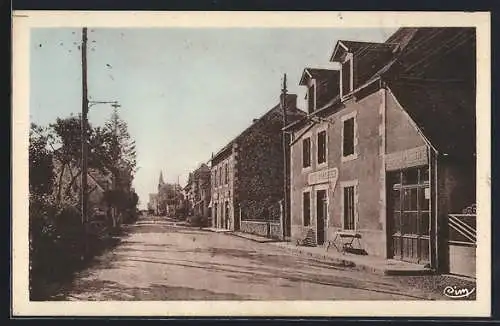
435	212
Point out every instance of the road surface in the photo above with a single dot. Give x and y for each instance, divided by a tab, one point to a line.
158	261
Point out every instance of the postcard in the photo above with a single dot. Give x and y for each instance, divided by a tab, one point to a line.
251	164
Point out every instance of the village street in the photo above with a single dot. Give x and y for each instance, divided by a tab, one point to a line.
159	261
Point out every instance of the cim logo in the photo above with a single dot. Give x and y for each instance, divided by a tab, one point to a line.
457	293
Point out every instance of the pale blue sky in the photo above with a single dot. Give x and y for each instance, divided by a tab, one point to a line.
184	92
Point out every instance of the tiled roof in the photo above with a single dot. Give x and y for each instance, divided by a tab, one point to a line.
358	48
447	119
412	62
321	74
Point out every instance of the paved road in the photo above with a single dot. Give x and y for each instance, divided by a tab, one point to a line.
157	261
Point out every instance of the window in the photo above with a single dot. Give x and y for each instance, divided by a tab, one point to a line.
349	208
410	201
226	174
220	176
306	152
322	147
348	137
306	206
346	77
215	178
311	99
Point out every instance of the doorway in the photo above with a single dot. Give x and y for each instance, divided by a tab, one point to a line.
216	217
409	214
226	215
321	216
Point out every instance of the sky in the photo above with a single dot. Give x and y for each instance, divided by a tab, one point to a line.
184	92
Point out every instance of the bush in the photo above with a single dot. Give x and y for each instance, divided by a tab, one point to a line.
197	220
59	245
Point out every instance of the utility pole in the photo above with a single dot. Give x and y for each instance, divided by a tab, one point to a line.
285	160
83	128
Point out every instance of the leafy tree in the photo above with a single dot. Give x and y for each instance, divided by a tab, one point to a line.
41	169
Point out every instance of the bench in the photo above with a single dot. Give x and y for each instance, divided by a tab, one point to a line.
347	240
308	239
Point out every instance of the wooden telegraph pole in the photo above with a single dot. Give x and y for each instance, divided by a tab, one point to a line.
285	160
84	140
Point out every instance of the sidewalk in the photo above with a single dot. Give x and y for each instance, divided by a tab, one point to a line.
365	263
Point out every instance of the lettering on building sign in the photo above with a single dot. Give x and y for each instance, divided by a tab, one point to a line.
324	176
405	159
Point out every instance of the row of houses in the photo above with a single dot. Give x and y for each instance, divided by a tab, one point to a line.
384	153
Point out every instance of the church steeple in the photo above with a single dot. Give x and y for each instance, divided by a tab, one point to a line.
160	181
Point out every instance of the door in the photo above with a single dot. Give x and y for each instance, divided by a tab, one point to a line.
320	216
216	218
226	215
409	214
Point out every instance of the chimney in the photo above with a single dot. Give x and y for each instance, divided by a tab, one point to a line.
291	101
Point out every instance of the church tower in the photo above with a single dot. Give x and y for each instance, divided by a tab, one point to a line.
160	181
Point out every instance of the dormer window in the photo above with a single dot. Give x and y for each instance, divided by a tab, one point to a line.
311	97
346	76
322	87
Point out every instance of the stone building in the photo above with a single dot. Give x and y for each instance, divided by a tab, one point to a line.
248	178
387	151
197	191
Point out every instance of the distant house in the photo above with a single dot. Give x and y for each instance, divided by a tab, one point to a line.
67	185
248	177
198	191
387	150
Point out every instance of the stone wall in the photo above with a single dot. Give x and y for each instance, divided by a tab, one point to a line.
260	166
265	229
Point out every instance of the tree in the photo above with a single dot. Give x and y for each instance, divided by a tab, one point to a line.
114	144
121	150
41	169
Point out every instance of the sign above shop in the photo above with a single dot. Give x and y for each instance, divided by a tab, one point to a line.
323	176
406	159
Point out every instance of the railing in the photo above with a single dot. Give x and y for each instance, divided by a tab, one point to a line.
462	229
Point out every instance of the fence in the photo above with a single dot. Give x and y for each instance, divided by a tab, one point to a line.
268	226
462	239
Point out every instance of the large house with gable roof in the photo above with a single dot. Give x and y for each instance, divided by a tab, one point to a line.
388	148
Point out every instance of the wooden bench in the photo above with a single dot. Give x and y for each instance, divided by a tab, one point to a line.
347	240
308	239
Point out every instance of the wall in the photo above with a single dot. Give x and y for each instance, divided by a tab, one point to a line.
457	190
400	132
261	228
260	166
462	260
365	169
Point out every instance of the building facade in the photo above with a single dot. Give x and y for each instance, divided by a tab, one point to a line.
198	192
247	175
387	151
